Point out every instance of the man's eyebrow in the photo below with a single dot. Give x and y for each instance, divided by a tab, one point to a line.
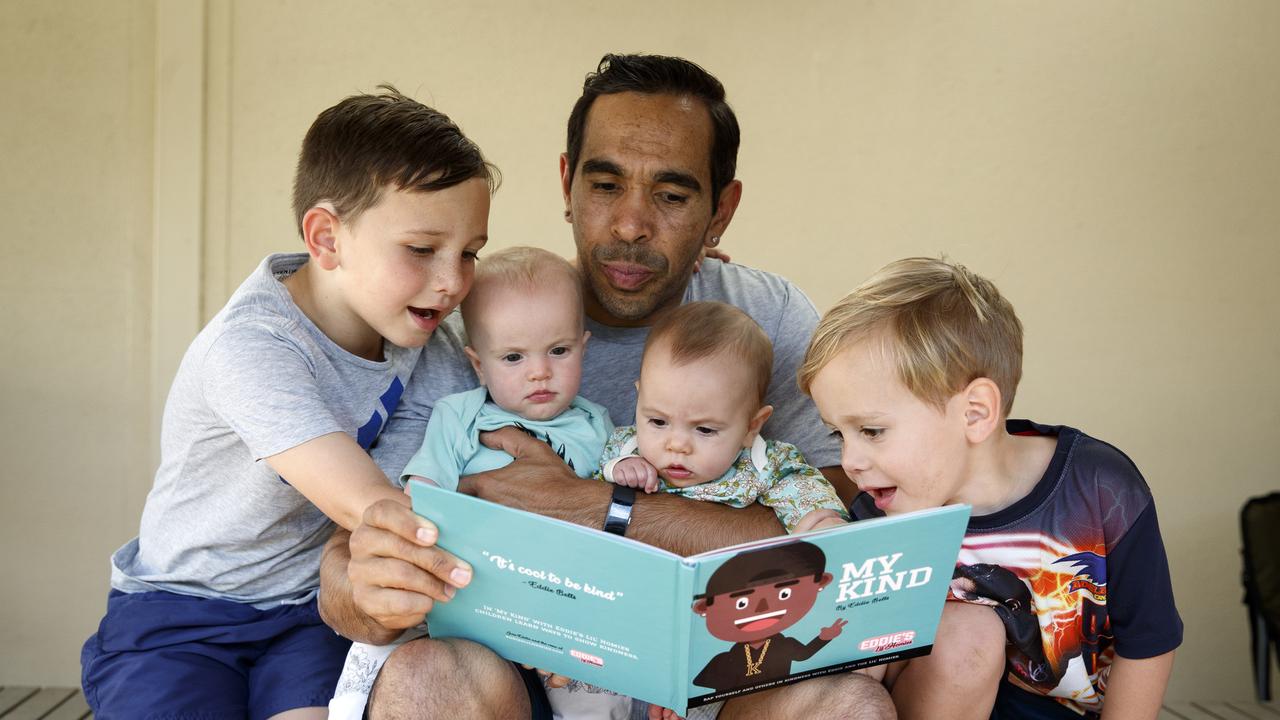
785	583
604	167
748	591
684	180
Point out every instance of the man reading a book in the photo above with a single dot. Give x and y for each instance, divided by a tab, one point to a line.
648	181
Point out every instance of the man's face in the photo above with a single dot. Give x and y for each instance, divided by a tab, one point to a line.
761	611
640	203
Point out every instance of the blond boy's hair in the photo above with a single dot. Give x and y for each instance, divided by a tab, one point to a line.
517	267
699	330
942	325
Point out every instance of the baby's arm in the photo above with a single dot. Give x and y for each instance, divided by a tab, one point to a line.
819	519
337	475
635	472
1135	688
621	464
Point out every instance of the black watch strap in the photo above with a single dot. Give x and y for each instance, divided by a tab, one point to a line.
619	515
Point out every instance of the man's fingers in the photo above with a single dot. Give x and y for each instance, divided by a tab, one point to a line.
375	551
395	609
516	443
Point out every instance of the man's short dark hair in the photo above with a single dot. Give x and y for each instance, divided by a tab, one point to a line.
659	75
367	142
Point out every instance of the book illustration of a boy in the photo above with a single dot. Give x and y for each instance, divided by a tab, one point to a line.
749	601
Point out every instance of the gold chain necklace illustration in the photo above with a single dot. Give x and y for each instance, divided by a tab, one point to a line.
753	668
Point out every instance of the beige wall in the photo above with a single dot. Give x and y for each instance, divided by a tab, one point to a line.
1112	166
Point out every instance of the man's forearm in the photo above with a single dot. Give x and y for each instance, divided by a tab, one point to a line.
337	604
688	527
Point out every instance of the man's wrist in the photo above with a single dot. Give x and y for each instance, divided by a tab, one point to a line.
618	517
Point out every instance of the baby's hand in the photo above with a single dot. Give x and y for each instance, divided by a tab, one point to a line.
636	472
818	519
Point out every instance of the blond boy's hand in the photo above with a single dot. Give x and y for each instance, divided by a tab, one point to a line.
636	472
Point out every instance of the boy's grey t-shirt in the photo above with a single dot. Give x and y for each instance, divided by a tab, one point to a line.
612	365
259	379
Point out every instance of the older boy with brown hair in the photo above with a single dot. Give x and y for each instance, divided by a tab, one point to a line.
268	422
916	371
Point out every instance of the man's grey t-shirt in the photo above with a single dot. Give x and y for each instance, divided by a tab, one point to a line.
612	365
259	379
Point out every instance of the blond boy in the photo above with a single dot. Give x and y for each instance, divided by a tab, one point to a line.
916	371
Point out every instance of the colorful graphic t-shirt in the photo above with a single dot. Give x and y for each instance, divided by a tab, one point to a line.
1076	570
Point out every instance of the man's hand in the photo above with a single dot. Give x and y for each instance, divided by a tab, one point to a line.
397	573
636	472
661	713
537	481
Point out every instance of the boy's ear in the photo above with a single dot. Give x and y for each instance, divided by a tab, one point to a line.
757	421
475	362
320	227
586	335
982	403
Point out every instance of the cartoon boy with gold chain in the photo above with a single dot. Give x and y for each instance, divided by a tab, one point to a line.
749	601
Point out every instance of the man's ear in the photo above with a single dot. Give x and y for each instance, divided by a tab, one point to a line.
475	362
982	405
826	580
700	606
757	421
566	180
320	227
730	196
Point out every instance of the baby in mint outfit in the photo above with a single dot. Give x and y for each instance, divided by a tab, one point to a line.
525	341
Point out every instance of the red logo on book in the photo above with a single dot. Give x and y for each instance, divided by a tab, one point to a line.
587	658
888	642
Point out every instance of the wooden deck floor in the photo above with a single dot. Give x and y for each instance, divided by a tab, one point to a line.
29	703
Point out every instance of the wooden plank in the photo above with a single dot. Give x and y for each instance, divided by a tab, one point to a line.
11	696
1167	714
75	708
1271	710
39	704
1230	711
1192	711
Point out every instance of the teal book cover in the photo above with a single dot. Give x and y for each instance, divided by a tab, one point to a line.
680	632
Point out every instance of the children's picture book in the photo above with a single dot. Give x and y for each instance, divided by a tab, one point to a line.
680	632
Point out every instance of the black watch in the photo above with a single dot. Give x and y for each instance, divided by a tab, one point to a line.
619	515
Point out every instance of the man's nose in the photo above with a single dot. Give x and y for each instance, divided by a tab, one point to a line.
763	605
631	217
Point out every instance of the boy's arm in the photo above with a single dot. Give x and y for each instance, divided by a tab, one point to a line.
1135	688
538	481
335	474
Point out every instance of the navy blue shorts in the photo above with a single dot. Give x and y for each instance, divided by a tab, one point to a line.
162	656
1014	703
